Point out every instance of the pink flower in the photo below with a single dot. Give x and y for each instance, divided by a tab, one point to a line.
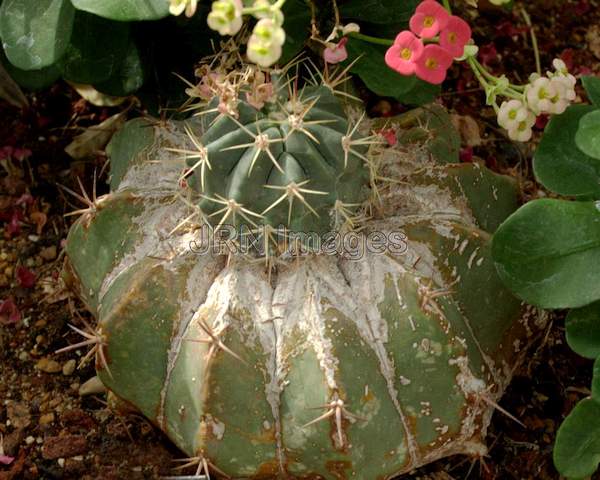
429	18
402	54
455	36
336	53
6	460
433	64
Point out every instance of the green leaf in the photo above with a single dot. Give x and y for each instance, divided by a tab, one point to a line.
592	87
97	49
577	449
34	80
397	12
382	80
125	10
36	33
128	75
583	330
562	167
587	137
548	253
297	28
596	381
169	46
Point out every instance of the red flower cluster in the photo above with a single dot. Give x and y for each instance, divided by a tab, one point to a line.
409	55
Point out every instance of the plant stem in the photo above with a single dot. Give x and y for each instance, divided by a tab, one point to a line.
482	69
534	42
447	6
513	91
473	64
370	39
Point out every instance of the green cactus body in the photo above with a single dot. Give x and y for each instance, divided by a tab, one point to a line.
325	367
282	166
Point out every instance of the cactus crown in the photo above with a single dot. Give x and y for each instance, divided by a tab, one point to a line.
294	163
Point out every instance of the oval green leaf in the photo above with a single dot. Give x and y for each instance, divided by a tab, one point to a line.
33	80
587	137
592	88
379	11
548	253
97	48
127	77
596	381
559	164
35	34
297	28
583	330
125	10
577	449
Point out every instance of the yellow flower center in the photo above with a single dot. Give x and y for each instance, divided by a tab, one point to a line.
452	37
428	21
512	114
406	53
431	63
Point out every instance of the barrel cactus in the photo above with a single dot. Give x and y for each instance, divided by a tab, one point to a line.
325	365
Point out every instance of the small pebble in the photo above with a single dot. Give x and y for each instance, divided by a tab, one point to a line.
64	446
69	367
48	253
92	386
40	323
48	366
29	440
47	419
61	462
24	356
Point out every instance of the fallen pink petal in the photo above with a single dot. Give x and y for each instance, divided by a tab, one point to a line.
389	135
25	277
9	312
13	227
21	154
6	460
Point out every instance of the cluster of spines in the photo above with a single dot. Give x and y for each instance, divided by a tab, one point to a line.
345	215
